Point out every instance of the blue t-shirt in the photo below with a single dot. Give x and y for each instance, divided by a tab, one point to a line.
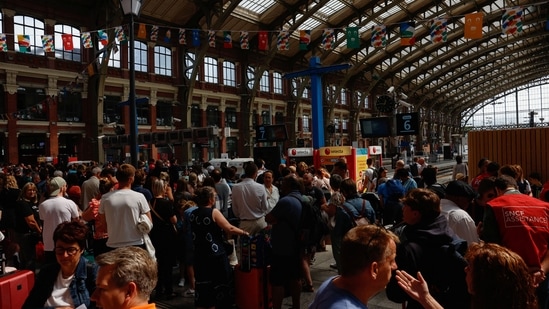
330	296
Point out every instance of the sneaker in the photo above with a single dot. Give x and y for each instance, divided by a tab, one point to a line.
181	282
189	293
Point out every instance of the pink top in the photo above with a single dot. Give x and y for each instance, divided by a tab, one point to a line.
92	213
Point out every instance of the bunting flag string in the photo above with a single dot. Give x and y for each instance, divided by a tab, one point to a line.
511	24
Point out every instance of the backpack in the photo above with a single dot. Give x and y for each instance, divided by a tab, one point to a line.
310	230
443	269
374	173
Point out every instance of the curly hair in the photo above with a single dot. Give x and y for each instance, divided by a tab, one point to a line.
70	232
500	278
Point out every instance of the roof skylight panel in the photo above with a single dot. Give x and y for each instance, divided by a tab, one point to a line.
256	6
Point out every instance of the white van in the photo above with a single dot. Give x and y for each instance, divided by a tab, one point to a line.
218	162
239	164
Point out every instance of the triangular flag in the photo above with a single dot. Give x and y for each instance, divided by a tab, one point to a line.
196	38
211	38
3	43
327	39
352	37
154	34
103	37
227	39
168	36
304	39
511	21
67	41
86	40
438	30
473	26
119	34
24	42
141	32
92	69
262	40
244	40
378	38
407	29
182	37
282	40
47	43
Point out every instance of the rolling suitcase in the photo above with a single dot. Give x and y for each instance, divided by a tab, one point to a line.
14	288
252	288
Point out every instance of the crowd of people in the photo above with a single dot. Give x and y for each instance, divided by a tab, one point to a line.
426	243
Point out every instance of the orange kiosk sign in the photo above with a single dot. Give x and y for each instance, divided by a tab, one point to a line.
355	158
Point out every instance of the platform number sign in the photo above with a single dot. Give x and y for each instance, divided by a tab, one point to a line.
407	123
271	133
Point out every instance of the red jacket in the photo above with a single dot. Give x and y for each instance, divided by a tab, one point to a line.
523	224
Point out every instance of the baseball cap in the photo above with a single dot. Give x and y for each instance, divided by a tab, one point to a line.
460	188
56	183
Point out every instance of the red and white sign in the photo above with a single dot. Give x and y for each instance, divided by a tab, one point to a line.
374	150
300	152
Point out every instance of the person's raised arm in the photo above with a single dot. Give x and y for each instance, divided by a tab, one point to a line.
222	222
417	289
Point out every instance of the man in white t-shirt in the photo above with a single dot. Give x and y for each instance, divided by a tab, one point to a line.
120	211
459	196
54	211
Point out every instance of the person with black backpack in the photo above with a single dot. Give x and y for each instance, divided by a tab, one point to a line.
429	246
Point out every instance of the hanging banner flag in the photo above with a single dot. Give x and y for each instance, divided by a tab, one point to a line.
3	43
407	30
168	36
282	40
103	37
154	33
438	30
511	21
24	42
47	43
86	40
196	38
92	69
352	37
119	34
328	39
473	26
227	39
244	40
67	41
379	34
211	38
262	40
141	32
182	37
304	39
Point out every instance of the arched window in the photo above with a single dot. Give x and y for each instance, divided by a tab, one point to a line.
162	60
210	70
34	29
264	82
277	82
114	59
60	52
229	74
140	56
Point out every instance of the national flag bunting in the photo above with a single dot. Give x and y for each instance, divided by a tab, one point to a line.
438	30
473	25
141	32
328	39
168	36
47	43
103	37
352	37
92	69
379	33
244	40
227	39
407	33
86	40
154	34
262	40
119	34
196	38
211	38
67	41
283	40
304	39
24	42
182	37
3	43
511	21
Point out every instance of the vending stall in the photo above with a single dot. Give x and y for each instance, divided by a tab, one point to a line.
354	157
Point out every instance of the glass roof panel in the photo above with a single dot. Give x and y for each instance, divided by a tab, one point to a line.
256	6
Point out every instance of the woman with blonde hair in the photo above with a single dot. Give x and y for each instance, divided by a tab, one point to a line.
496	278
